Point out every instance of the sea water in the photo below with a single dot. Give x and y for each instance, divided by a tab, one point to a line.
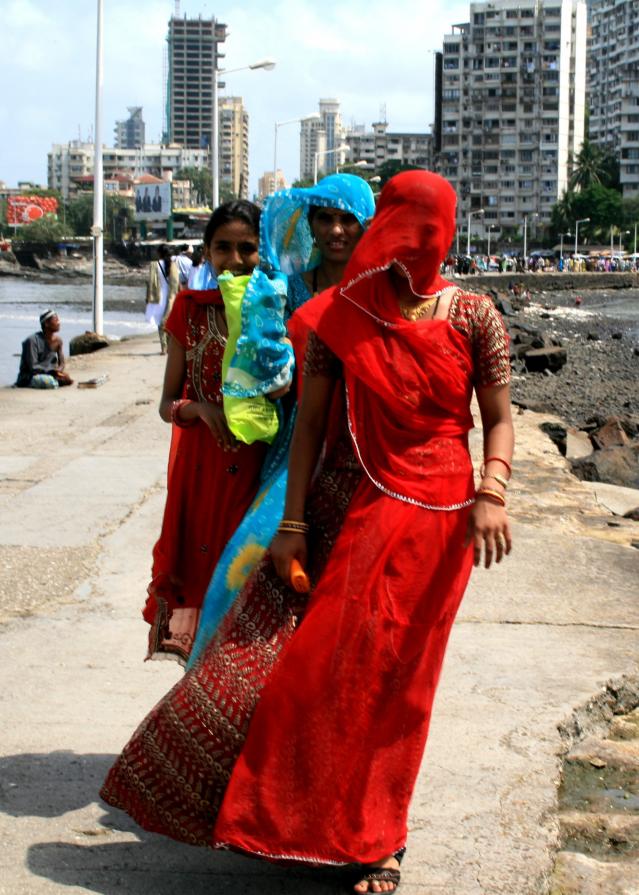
22	301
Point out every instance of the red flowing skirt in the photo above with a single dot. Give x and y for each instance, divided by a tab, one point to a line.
335	744
208	492
303	742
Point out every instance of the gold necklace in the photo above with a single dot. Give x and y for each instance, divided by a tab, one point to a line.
412	311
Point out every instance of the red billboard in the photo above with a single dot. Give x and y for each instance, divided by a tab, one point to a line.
25	209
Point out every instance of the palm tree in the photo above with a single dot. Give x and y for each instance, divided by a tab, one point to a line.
589	167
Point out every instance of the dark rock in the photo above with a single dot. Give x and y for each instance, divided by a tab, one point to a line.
636	351
611	434
557	434
632	514
615	465
533	404
545	315
517	328
540	359
505	307
87	343
521	349
616	335
593	337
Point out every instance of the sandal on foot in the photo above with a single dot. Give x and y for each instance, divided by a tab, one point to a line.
368	873
380	875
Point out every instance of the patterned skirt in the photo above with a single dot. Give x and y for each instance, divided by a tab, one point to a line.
172	775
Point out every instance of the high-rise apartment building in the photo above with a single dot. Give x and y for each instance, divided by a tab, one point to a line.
510	108
233	140
131	132
319	137
613	84
312	142
268	183
380	145
193	51
193	47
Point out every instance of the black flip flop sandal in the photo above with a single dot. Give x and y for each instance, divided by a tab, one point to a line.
368	873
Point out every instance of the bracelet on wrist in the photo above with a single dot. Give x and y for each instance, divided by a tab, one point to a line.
494	496
488	460
176	407
293	525
498	478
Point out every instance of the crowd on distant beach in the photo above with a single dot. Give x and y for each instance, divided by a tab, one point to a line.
539	262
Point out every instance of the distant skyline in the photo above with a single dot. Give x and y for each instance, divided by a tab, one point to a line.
366	53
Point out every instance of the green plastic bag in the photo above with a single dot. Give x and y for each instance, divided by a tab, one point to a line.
249	419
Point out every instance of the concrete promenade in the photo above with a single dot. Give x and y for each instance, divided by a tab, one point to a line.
81	490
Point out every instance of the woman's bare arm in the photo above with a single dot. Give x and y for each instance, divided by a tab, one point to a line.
488	526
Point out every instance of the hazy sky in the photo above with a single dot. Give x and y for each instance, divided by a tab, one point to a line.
364	52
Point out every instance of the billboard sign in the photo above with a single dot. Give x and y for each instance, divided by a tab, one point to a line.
25	209
153	201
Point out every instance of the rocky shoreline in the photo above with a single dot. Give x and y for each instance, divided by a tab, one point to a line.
582	365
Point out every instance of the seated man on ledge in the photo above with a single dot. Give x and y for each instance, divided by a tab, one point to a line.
42	360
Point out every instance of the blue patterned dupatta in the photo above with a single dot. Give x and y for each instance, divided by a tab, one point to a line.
286	252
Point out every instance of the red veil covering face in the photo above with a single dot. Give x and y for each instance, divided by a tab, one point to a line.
408	383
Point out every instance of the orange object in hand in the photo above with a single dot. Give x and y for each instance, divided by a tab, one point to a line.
300	582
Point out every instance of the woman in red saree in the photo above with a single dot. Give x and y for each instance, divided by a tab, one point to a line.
212	478
303	743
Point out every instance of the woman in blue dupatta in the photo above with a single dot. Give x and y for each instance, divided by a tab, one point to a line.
306	239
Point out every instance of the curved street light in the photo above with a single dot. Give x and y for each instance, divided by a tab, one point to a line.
267	65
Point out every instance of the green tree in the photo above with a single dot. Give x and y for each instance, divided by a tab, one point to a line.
119	214
594	164
45	230
599	203
388	169
200	181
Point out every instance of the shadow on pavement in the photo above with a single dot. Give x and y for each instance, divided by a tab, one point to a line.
48	785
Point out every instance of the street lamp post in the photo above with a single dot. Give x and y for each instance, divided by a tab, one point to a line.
314	116
534	215
97	230
561	244
490	230
470	214
268	65
580	221
344	147
622	233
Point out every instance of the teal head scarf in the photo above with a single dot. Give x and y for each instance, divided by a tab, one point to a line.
286	241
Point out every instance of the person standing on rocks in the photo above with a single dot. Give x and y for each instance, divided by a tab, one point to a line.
42	360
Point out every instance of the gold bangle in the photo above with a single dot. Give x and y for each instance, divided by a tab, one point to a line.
498	478
294	525
286	530
492	495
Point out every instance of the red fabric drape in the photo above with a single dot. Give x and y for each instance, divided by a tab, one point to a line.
408	383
